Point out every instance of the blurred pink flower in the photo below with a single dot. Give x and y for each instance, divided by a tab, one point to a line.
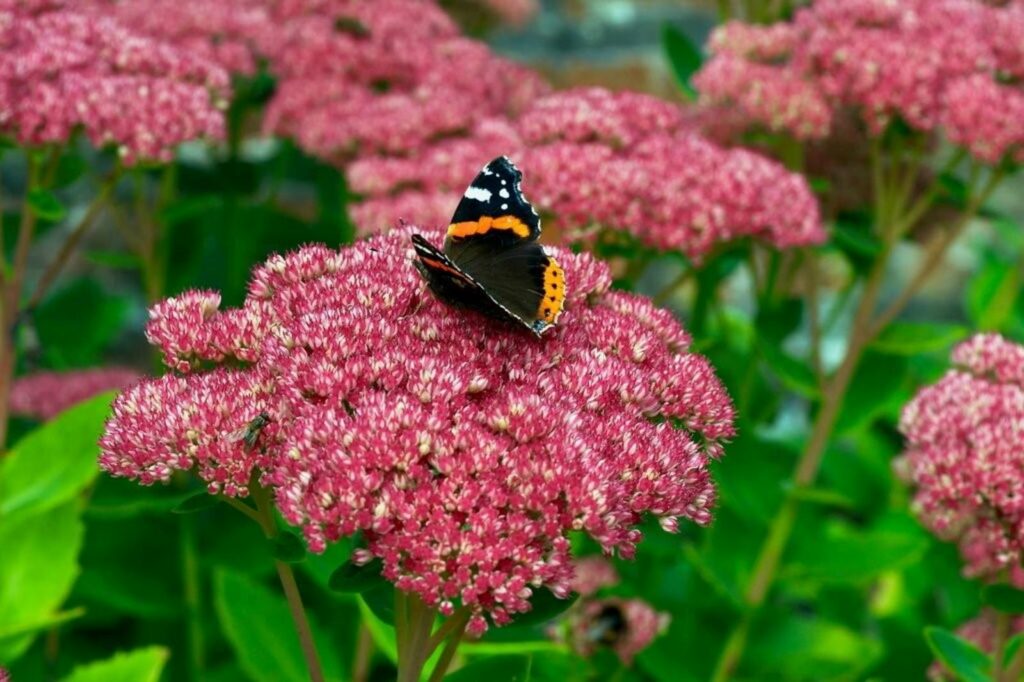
981	632
227	32
61	69
952	64
965	454
4	675
627	626
593	160
464	450
592	573
44	395
387	77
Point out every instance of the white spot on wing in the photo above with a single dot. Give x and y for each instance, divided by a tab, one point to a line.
504	207
478	193
503	193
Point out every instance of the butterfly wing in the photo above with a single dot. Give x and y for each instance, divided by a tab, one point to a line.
449	283
492	212
522	279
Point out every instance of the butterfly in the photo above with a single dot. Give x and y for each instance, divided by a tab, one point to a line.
492	261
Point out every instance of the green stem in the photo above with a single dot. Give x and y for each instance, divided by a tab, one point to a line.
55	266
10	296
193	598
455	627
1002	631
261	496
364	650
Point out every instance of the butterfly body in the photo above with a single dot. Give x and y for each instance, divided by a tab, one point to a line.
491	261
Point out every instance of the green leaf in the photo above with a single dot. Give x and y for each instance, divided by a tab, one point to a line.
381	601
683	56
113	259
54	463
844	555
288	547
44	623
991	294
352	579
196	503
881	383
1013	645
66	342
794	374
39	566
495	669
959	656
812	649
383	634
544	607
1003	597
915	338
46	205
856	238
140	665
259	626
820	496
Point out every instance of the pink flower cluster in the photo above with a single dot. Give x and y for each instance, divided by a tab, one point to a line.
228	32
949	64
62	69
981	632
386	77
463	449
44	395
965	455
592	160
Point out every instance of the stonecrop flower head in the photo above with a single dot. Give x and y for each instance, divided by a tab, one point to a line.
44	395
965	451
954	65
594	160
463	449
981	632
62	70
388	77
227	32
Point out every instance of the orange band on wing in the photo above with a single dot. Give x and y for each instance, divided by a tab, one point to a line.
487	223
438	265
554	292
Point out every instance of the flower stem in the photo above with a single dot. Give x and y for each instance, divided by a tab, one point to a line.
261	496
68	247
455	628
10	296
193	598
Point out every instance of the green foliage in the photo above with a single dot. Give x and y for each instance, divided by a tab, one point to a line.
684	57
141	665
959	656
258	625
54	463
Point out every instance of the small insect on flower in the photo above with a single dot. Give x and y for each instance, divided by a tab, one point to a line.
492	261
607	627
249	433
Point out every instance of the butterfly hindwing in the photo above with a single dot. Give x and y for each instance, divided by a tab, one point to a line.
450	283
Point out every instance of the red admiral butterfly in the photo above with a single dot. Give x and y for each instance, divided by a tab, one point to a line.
492	261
